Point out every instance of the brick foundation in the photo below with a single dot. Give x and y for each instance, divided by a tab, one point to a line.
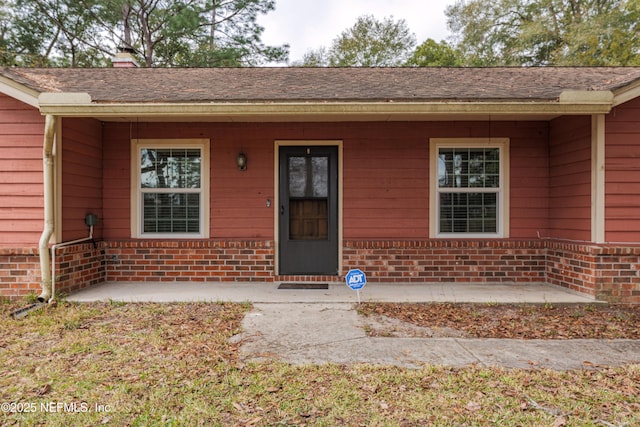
610	273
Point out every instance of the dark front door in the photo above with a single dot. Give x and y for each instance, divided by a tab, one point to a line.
308	196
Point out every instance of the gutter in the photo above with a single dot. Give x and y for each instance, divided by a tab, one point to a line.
49	215
571	102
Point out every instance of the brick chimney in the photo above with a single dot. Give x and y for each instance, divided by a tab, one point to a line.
124	58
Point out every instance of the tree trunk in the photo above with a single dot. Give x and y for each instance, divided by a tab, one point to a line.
126	15
212	33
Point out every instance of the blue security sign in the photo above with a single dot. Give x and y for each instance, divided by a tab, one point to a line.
355	279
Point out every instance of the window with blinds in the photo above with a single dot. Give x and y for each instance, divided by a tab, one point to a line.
470	188
171	189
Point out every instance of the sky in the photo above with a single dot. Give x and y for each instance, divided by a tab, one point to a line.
311	24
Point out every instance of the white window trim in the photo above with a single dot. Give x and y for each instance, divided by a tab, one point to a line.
136	200
503	195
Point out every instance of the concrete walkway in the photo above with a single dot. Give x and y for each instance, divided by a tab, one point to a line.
324	333
322	326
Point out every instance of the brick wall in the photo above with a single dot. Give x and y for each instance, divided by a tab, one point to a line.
19	271
571	266
79	266
448	261
611	273
384	261
608	272
161	261
618	274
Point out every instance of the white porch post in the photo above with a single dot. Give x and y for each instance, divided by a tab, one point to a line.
598	178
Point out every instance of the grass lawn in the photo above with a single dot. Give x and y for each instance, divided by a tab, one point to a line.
172	365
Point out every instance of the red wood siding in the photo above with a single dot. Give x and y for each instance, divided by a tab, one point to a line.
570	178
529	176
622	174
21	189
386	174
116	181
238	200
386	181
81	176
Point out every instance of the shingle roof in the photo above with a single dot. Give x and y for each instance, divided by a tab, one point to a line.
175	85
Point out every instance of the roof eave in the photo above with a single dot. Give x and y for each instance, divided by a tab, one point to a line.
626	93
19	91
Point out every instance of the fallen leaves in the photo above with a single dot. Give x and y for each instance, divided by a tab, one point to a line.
173	364
44	389
517	321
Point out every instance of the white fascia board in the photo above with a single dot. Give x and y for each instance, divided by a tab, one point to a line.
62	106
627	94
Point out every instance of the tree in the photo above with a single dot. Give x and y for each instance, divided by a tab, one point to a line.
161	32
30	37
222	33
156	29
546	32
369	43
315	58
7	57
372	43
66	29
433	54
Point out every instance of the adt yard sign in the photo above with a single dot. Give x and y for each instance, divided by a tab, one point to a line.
356	279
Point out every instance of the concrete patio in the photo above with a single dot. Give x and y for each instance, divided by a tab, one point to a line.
260	292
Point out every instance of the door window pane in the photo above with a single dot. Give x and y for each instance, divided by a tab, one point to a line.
320	171
308	176
297	176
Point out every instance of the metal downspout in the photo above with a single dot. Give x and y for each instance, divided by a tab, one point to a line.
49	214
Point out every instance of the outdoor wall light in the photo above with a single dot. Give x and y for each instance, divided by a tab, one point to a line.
241	161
